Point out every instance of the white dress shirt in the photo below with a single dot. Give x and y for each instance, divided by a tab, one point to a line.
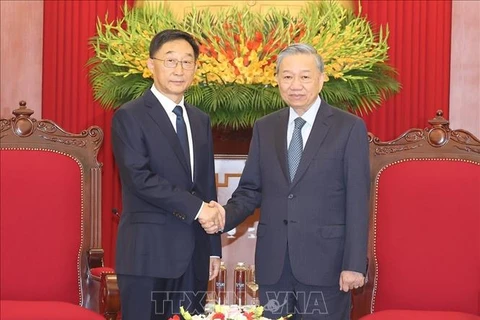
169	105
308	116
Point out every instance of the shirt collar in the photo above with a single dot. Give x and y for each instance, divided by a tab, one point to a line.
308	116
166	102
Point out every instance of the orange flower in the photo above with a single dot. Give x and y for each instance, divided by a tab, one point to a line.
203	49
253	45
219	316
246	60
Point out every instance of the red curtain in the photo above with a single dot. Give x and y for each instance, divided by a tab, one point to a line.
420	51
67	94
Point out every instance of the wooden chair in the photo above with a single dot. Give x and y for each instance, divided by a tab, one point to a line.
424	242
51	263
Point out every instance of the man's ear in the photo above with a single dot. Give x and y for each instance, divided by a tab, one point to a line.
321	81
150	65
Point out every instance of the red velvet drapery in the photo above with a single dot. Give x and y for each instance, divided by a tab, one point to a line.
67	93
419	50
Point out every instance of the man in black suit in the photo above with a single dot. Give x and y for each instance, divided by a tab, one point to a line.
308	171
164	150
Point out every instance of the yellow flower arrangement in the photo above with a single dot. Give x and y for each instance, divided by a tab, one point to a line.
235	79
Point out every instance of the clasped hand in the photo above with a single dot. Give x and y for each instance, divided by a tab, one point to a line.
212	217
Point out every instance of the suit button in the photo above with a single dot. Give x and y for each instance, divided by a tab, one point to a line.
193	193
290	196
285	222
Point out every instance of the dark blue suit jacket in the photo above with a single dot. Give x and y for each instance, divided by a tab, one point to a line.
157	235
323	213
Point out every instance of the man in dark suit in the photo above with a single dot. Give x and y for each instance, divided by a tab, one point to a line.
308	171
164	151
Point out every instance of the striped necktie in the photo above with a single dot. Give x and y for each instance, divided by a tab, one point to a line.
295	149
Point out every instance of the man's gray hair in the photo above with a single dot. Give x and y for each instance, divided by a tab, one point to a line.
299	48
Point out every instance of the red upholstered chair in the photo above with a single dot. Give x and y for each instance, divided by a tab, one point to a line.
424	245
51	260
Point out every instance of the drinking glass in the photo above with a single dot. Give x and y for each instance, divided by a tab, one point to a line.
252	286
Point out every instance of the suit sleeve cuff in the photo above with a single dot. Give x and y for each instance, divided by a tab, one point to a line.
200	210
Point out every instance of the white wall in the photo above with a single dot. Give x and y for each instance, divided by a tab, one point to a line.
465	67
21	48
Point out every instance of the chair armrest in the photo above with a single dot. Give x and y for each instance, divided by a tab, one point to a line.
109	297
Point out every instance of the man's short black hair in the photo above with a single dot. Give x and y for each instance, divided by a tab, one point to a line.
171	35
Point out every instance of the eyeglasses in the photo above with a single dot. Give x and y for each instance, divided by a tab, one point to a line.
172	63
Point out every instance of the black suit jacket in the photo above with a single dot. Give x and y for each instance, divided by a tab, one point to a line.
322	214
158	235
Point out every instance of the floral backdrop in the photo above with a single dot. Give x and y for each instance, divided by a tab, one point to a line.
235	81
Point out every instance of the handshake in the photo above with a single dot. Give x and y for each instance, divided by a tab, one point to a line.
212	217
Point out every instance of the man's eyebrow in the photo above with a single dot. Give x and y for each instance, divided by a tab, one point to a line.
289	71
171	51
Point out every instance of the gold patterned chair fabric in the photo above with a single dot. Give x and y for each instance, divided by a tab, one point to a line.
51	263
424	239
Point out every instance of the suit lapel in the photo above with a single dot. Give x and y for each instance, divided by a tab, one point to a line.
195	127
281	141
315	139
158	114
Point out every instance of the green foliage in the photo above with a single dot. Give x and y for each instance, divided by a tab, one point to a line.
235	81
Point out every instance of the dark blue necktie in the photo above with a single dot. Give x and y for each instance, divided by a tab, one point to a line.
182	134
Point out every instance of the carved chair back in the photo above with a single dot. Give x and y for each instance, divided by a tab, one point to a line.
424	240
50	231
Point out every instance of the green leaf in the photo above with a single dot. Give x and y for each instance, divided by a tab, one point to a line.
352	52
